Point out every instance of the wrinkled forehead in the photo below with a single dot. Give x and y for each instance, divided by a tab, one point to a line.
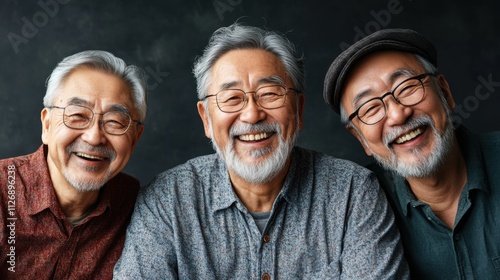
382	62
379	69
247	68
94	88
91	104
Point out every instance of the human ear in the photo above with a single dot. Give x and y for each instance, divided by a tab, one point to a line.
204	118
356	134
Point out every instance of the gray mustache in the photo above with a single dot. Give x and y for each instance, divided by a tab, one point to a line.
248	128
413	123
101	150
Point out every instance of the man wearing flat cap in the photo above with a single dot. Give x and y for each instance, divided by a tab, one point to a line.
443	182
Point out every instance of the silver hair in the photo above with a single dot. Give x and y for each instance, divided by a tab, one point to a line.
237	36
106	62
429	68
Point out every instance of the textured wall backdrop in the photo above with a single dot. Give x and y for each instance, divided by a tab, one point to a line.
164	37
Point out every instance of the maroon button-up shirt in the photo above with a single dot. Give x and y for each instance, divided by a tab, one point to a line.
38	242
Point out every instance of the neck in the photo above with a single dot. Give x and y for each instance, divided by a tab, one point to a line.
259	197
73	203
441	190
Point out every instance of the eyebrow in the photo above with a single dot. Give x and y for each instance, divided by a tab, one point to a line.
78	101
271	80
392	78
265	80
83	102
120	108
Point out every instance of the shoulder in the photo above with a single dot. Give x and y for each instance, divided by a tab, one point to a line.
333	173
122	191
328	165
125	185
19	161
194	168
181	189
123	178
30	169
483	146
491	138
183	178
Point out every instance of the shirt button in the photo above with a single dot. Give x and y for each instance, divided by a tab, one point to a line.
266	276
456	236
266	238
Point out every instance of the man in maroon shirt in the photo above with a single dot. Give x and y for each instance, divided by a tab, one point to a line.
64	209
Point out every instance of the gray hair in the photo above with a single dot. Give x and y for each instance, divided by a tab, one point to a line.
428	67
106	62
237	36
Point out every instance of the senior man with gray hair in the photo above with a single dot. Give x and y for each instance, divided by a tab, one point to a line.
442	181
259	208
64	209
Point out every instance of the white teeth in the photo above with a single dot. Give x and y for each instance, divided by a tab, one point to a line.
253	137
409	136
89	156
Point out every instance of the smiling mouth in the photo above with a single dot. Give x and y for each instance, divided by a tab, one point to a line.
89	157
254	137
409	136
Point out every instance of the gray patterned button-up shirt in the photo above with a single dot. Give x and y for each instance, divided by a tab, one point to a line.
330	221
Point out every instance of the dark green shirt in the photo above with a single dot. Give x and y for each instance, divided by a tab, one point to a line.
471	250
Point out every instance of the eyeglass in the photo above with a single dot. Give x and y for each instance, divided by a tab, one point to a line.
268	97
409	92
81	117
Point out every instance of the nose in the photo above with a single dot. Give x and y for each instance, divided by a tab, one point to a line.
94	134
252	112
396	113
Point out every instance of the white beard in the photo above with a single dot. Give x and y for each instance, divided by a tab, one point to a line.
267	168
423	166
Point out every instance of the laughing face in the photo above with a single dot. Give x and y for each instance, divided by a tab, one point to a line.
86	159
254	142
411	140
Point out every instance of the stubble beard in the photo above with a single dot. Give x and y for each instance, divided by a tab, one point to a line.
84	184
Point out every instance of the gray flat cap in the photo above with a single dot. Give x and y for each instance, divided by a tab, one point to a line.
386	39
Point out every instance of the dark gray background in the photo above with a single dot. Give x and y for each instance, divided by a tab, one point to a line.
164	37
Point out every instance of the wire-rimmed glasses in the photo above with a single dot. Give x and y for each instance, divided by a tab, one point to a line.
80	117
268	97
409	92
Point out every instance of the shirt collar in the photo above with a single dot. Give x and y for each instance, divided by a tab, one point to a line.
220	185
41	195
473	155
471	150
224	195
294	179
115	193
